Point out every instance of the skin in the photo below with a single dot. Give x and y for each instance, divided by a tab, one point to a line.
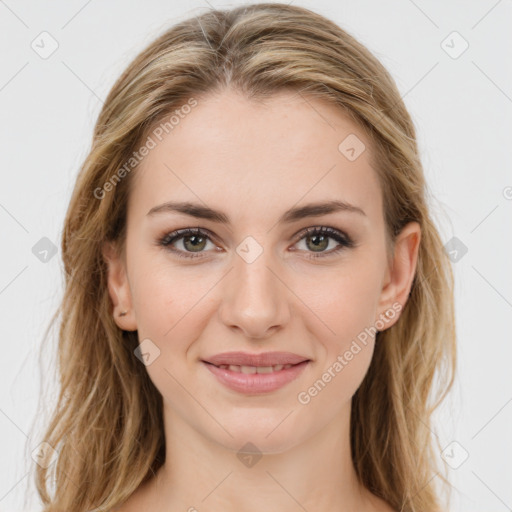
253	161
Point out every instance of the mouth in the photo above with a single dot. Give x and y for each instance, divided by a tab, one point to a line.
254	369
247	361
254	378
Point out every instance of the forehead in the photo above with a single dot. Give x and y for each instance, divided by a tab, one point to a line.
237	154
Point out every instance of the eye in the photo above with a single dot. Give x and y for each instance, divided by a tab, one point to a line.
192	240
317	240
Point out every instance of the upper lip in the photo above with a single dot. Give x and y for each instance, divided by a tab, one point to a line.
262	359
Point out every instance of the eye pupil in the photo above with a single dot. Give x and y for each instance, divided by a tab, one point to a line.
322	243
198	242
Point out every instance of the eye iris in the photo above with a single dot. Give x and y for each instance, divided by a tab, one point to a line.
198	242
321	245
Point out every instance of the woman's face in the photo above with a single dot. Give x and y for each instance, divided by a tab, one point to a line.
252	280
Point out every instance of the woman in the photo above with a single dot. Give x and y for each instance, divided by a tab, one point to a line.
257	301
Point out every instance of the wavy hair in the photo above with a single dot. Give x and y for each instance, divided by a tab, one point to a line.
107	425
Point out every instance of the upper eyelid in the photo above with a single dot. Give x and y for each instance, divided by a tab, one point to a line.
321	228
183	232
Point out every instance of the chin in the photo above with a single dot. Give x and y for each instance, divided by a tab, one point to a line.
258	443
267	432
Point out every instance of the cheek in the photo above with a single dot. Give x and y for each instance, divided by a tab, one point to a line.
171	312
346	300
347	307
155	301
171	302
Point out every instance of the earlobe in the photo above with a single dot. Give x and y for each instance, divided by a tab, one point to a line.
119	288
401	273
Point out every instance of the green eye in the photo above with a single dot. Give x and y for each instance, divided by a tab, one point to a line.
318	239
194	241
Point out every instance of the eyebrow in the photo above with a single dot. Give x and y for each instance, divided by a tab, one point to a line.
291	215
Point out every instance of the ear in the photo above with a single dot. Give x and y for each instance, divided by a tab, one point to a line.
400	272
119	287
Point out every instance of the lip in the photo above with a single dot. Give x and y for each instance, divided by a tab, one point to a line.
261	359
256	383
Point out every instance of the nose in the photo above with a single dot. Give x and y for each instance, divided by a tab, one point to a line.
254	299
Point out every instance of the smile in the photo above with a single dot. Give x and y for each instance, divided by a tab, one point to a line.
255	369
252	380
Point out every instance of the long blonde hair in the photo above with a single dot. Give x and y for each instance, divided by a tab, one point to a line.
107	425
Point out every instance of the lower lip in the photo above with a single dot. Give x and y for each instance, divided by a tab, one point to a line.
256	382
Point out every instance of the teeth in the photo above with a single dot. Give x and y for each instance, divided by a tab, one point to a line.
255	369
264	369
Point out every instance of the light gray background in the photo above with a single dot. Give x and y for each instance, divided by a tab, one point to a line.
462	109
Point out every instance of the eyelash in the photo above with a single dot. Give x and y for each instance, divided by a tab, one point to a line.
342	238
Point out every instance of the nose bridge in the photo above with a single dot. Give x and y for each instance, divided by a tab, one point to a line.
254	299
